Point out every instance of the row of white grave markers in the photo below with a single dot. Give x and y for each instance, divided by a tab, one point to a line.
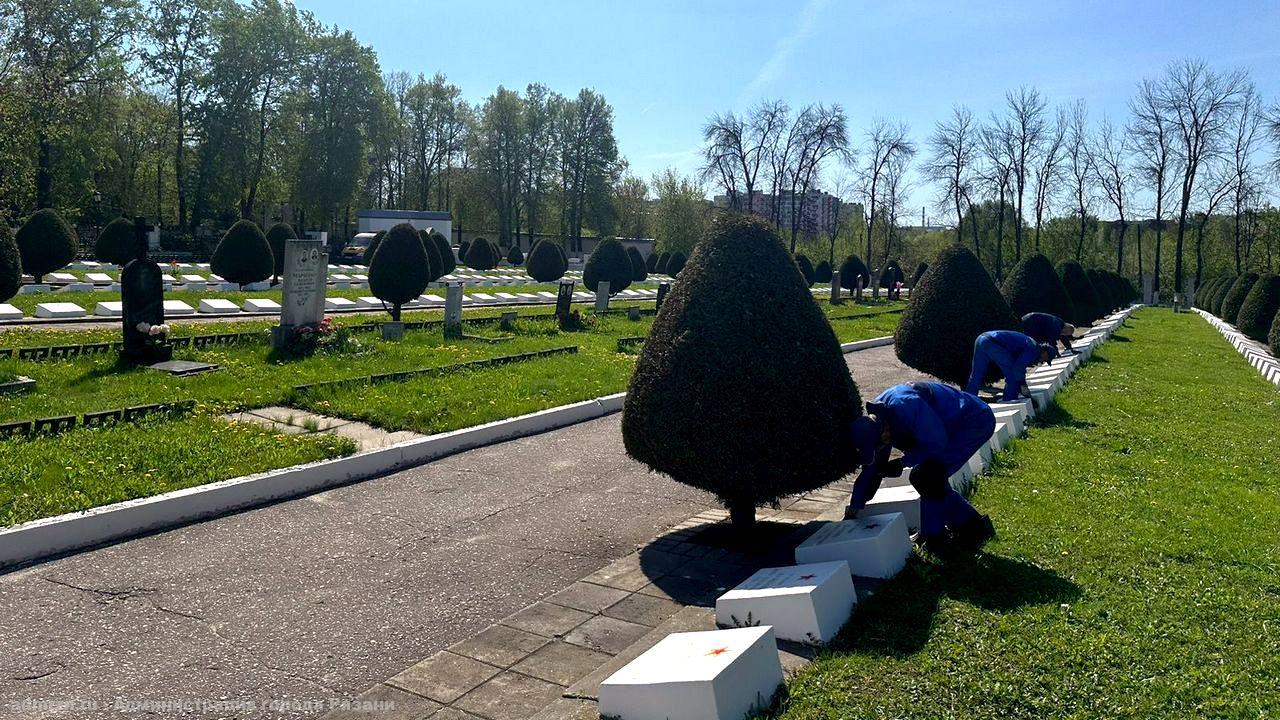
219	306
729	673
1258	355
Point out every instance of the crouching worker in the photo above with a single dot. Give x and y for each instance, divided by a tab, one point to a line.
1049	329
1012	352
937	428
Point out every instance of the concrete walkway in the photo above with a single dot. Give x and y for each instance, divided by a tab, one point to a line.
324	596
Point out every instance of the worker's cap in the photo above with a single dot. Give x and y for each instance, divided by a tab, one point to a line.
866	438
1052	350
1068	330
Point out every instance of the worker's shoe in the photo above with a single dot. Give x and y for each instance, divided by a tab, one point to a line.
971	536
940	546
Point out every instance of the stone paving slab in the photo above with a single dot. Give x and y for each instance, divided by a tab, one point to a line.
294	421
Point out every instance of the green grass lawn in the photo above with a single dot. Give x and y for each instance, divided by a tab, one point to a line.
1137	569
160	455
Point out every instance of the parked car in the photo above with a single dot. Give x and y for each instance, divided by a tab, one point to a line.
353	252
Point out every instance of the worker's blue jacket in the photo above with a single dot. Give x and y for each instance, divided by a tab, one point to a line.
932	421
1043	327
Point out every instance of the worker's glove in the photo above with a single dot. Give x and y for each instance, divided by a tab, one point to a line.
891	468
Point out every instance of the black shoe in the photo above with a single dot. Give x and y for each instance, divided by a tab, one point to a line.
939	546
974	534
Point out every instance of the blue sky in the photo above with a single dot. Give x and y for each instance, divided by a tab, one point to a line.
666	66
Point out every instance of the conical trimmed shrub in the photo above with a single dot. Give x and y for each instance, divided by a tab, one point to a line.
277	236
919	273
1034	286
850	270
1219	294
1273	337
806	268
890	274
448	263
399	271
663	259
822	273
10	264
372	250
117	244
740	388
947	313
608	262
463	248
1084	297
651	264
1234	299
46	243
1260	307
676	264
639	271
1205	291
434	263
545	262
515	256
243	255
1106	303
481	255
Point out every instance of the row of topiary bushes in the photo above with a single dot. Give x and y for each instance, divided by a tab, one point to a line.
1250	301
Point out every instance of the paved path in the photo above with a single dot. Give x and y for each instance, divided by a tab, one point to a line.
323	596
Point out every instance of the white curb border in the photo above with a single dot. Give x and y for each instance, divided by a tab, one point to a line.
1255	352
50	537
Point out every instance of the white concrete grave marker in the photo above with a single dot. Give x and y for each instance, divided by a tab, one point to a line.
874	546
602	296
899	499
193	278
99	278
177	307
804	603
9	312
109	309
59	310
218	306
713	675
260	305
337	303
63	277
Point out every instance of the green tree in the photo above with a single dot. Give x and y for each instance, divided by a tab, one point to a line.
679	213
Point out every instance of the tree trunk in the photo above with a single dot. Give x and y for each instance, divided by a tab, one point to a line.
44	172
742	515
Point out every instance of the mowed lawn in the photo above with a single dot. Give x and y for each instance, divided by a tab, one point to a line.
1137	569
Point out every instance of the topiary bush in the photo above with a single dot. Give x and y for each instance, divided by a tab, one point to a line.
891	273
1106	303
1260	307
481	255
1084	297
277	236
639	271
463	248
822	273
1034	286
663	259
1219	293
448	263
608	262
850	270
1205	291
46	243
651	264
676	264
919	273
1234	299
372	250
545	262
740	388
10	264
806	268
243	255
1273	337
434	263
947	313
398	272
117	244
515	256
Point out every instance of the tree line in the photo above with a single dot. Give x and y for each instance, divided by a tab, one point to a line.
196	113
1189	166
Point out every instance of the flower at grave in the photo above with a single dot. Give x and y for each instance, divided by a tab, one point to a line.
718	651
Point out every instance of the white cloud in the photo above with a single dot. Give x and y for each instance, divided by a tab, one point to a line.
782	52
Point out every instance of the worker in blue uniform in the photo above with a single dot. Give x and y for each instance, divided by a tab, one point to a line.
1011	351
1046	328
937	428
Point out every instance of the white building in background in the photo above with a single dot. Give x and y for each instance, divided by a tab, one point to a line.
371	221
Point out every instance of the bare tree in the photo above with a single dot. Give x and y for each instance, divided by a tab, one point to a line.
1049	168
1201	104
1079	168
1027	127
1114	174
1219	185
737	148
999	150
1151	133
897	186
823	133
952	148
885	143
1248	123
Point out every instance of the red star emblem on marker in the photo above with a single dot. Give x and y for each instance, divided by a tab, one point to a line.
808	577
718	651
